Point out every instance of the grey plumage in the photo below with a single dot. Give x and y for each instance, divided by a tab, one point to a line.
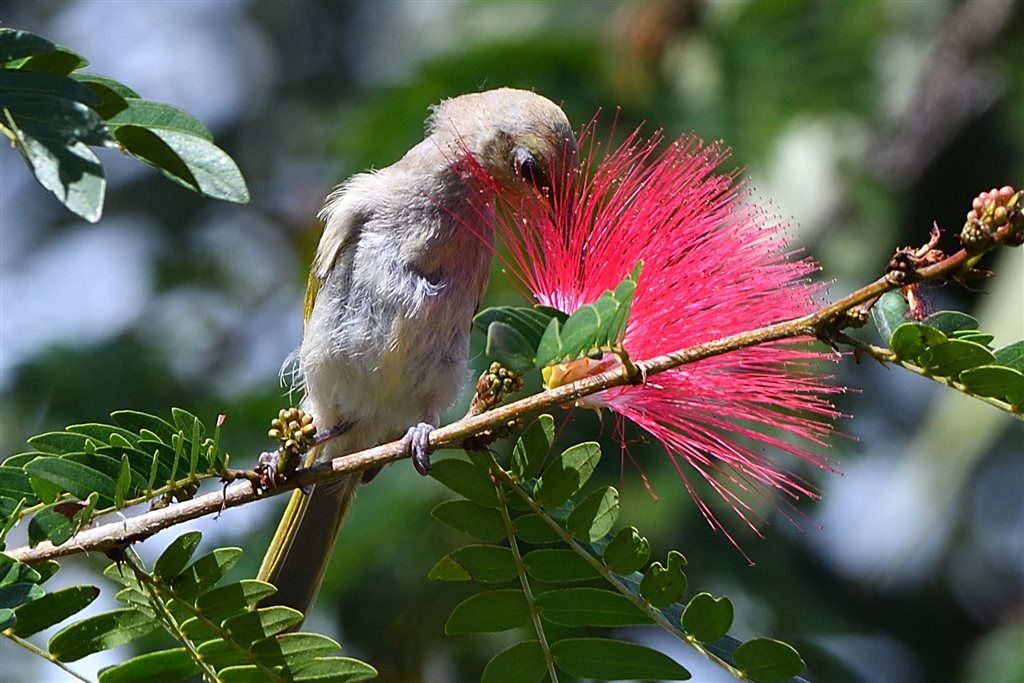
397	277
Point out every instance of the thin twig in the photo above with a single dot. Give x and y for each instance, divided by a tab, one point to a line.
823	324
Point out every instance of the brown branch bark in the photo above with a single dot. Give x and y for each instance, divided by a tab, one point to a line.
822	324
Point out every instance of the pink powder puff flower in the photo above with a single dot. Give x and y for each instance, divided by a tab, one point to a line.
714	264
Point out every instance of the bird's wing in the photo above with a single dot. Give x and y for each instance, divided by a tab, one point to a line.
343	218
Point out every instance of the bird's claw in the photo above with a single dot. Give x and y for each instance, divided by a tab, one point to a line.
267	470
416	443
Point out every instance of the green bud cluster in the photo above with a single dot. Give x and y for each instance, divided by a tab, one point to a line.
493	386
294	429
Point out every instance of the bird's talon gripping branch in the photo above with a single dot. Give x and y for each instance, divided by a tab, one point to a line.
267	469
333	432
416	443
297	434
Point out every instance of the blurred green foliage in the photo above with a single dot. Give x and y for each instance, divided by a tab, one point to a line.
835	109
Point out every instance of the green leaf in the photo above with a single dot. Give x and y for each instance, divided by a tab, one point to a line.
44	490
514	332
973	336
485	563
105	434
509	347
627	552
202	574
164	665
955	356
189	160
14	594
530	321
141	464
910	340
707	618
466	479
7	618
120	574
159	116
489	612
949	322
76	478
1011	356
135	422
558	565
53	608
17	44
177	554
225	601
136	599
287	649
593	328
10	510
247	628
124	480
58	443
323	669
15	82
332	670
766	660
49	525
448	569
70	170
216	652
994	381
101	632
594	517
533	529
60	61
532	448
12	571
589	607
112	94
46	570
467	517
293	648
520	663
605	660
48	108
661	586
186	422
888	313
14	484
566	474
102	463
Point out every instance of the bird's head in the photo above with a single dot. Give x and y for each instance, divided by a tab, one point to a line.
521	139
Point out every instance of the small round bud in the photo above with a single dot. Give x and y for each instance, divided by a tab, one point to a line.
975	236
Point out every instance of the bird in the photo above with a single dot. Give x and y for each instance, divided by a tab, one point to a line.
397	277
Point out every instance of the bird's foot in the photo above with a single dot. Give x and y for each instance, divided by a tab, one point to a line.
416	443
268	470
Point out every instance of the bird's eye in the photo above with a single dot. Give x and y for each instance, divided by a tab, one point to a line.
527	167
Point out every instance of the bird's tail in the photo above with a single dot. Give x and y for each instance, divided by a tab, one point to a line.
301	548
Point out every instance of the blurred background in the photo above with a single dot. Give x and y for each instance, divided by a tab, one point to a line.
860	121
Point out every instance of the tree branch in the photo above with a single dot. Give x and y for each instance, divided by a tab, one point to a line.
824	324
